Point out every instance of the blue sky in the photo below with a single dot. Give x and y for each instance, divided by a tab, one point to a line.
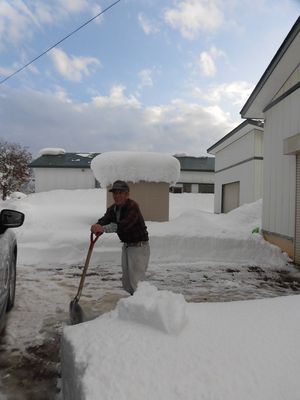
148	75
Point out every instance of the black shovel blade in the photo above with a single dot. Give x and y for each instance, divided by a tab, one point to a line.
76	313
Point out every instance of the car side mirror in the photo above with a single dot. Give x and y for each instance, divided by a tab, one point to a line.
11	218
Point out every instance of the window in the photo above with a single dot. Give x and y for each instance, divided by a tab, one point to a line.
206	188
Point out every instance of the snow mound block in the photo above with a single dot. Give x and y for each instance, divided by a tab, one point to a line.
135	167
161	310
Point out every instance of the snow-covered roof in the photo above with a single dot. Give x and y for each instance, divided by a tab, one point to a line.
49	151
65	160
135	167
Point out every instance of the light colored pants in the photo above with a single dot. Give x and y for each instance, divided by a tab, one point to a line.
134	265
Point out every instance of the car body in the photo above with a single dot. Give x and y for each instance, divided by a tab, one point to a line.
8	260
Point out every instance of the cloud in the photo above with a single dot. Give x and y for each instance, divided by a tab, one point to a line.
145	78
17	22
115	99
236	92
147	26
74	5
193	16
207	61
5	71
20	21
73	68
107	123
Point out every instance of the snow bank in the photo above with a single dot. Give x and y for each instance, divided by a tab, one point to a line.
227	351
49	151
61	220
158	309
135	167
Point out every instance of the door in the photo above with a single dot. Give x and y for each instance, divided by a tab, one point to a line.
230	196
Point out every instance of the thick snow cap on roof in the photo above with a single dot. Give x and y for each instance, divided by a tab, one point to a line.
49	151
135	167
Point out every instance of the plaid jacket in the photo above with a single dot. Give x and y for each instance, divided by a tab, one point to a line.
131	224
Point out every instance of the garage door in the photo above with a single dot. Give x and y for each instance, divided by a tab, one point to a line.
297	222
230	196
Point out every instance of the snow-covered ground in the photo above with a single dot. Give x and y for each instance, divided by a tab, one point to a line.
57	224
155	345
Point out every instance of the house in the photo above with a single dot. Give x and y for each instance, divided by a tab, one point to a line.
276	99
56	169
238	166
196	175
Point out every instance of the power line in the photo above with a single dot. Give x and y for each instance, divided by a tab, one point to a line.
60	41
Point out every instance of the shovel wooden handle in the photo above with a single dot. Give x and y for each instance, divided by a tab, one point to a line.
93	240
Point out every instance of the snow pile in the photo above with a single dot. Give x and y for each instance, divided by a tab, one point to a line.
158	309
135	167
154	345
49	151
227	351
61	220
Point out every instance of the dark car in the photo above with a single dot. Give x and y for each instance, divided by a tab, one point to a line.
8	260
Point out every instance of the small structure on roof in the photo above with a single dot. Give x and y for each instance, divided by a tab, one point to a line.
149	176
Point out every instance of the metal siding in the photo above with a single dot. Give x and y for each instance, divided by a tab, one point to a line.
258	181
196	177
240	150
259	143
249	173
63	178
282	121
218	194
293	79
195	188
230	196
297	216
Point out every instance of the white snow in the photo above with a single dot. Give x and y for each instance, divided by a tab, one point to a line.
162	310
134	167
51	151
155	345
226	351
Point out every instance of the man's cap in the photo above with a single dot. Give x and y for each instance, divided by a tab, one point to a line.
119	186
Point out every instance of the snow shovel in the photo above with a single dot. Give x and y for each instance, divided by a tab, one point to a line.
76	312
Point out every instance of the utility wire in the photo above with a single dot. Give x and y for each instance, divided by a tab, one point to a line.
60	41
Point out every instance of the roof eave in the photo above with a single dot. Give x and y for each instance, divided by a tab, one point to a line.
256	124
284	60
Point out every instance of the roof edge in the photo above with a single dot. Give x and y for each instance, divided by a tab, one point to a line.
235	130
275	60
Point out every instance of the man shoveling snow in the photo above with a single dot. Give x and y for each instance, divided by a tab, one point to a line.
125	218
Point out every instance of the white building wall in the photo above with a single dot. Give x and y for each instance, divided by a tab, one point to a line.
236	163
291	81
196	177
281	121
63	178
245	174
239	150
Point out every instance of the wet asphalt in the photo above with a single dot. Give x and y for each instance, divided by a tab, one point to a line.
30	370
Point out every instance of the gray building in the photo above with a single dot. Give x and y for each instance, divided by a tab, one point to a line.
72	171
63	171
276	100
197	175
239	166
